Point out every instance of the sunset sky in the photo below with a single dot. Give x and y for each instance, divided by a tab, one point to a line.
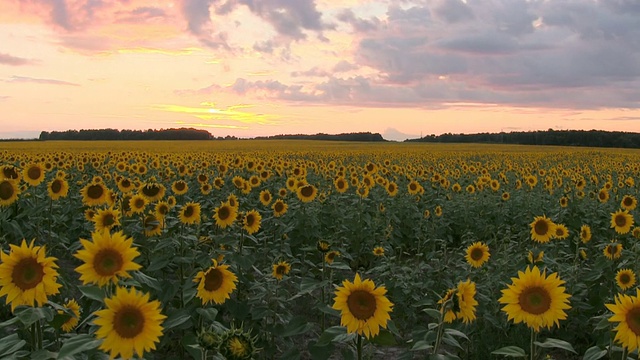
264	67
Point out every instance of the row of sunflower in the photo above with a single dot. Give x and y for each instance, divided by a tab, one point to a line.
420	222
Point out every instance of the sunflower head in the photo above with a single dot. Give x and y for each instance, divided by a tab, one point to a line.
622	221
477	254
612	251
252	221
280	269
9	191
585	234
378	251
542	228
236	344
215	284
626	312
625	278
73	311
190	213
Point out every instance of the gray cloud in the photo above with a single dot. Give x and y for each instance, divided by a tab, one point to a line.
141	13
25	79
359	24
8	59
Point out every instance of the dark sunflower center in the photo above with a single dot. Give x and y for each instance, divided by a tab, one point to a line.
559	231
213	280
625	279
188	212
163	210
281	270
27	274
139	203
541	227
266	197
279	207
306	191
202	178
584	234
627	201
412	186
331	256
633	320
602	195
34	173
250	220
125	183
620	220
180	186
392	188
109	220
476	254
341	184
56	186
535	300
107	262
224	213
95	191
151	190
611	249
362	304
10	173
6	190
128	322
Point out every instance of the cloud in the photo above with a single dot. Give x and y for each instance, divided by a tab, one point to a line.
4	97
25	79
7	59
141	14
358	24
209	112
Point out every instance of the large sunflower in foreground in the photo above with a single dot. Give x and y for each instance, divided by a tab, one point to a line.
215	283
626	312
225	215
536	299
542	228
106	258
477	254
363	307
621	221
130	323
27	275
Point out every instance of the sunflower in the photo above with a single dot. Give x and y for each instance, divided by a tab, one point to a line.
252	221
94	194
363	307
414	188
27	275
10	172
73	307
477	254
105	219
636	232
265	197
161	209
621	221
341	184
330	256
448	304
470	189
625	278
629	202
130	323
560	232
152	225
235	344
232	199
564	201
306	193
505	196
152	191
190	213
612	251
215	284
125	185
137	203
536	299
280	269
225	215
438	211
58	188
542	228
279	208
378	251
179	187
535	260
583	254
585	233
362	191
33	174
466	293
106	258
323	246
603	195
9	191
626	312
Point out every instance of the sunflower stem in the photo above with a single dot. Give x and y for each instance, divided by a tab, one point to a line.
322	323
533	345
359	347
625	352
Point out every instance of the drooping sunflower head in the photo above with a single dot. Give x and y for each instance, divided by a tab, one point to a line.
106	258
129	323
27	276
536	299
626	312
331	256
612	251
73	309
477	254
152	225
622	221
542	228
585	233
190	213
625	278
280	269
252	221
9	191
363	307
152	191
10	172
215	284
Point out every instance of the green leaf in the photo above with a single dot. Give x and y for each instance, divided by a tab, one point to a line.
556	344
309	284
433	313
93	293
510	351
208	313
454	332
176	319
329	334
319	352
594	353
146	280
384	338
10	344
78	344
421	345
43	354
603	324
298	325
291	354
29	315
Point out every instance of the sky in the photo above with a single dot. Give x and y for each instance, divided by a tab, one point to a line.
245	68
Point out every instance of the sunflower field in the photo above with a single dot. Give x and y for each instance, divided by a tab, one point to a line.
317	250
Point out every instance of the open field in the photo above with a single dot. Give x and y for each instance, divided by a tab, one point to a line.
455	233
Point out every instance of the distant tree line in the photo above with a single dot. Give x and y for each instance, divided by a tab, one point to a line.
113	134
592	138
360	136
